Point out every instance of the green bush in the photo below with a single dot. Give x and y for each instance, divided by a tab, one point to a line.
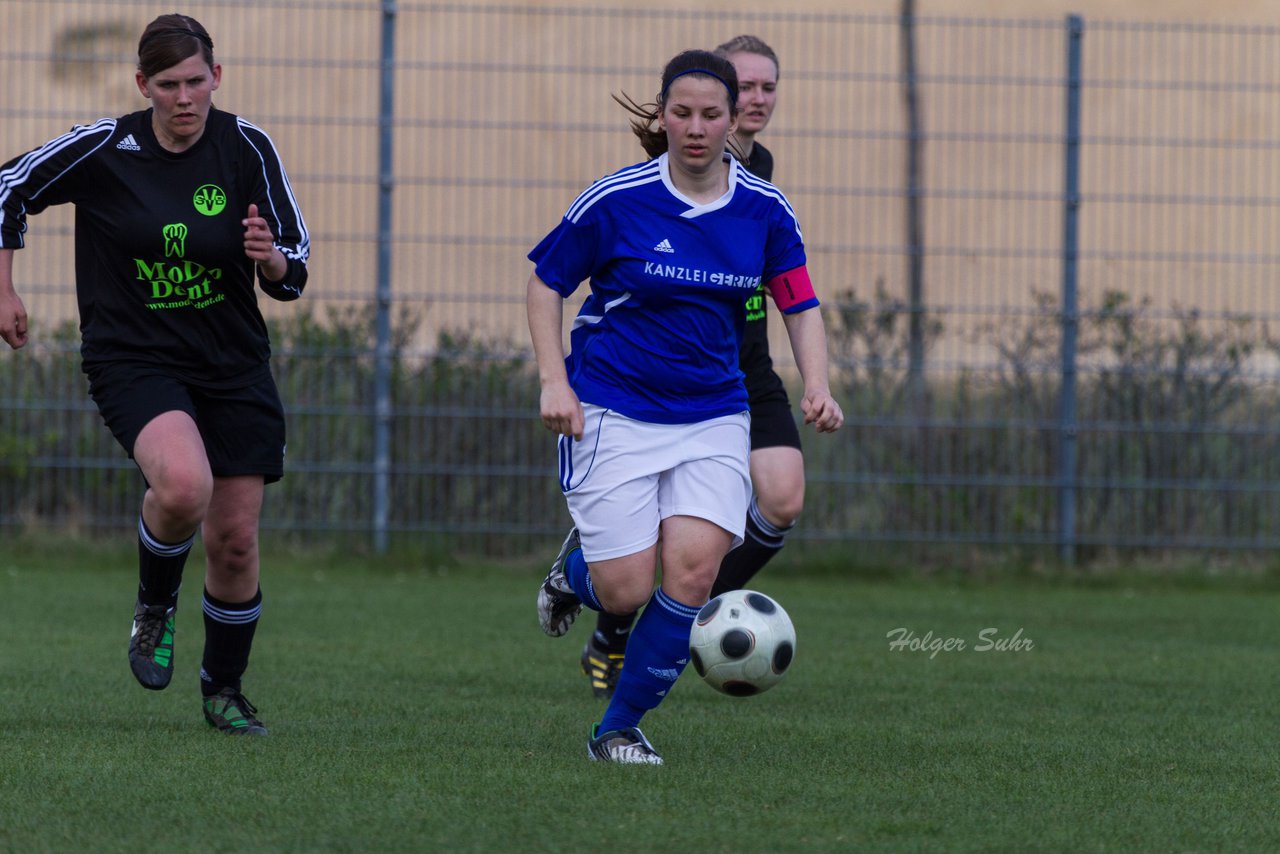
1176	432
467	454
1176	435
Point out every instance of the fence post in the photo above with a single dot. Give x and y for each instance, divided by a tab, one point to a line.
915	219
382	351
1067	427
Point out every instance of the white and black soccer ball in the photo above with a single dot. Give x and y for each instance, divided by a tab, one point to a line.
742	643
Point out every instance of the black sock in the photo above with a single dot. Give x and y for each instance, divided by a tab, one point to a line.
160	567
761	542
612	630
228	637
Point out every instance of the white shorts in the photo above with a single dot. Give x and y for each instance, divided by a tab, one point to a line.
625	476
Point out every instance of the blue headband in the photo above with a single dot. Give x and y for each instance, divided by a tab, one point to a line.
733	96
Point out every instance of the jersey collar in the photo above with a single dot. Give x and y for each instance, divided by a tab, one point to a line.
696	209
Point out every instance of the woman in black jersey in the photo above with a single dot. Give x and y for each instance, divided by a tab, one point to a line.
180	210
777	466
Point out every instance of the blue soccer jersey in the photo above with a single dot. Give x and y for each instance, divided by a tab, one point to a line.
658	338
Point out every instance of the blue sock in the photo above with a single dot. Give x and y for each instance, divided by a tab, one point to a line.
656	654
579	576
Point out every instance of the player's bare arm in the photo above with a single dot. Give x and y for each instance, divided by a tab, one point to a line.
809	346
560	408
13	314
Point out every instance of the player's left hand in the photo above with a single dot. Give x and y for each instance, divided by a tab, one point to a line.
260	246
259	242
821	410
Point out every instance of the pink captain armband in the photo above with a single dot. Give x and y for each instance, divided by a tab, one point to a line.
792	291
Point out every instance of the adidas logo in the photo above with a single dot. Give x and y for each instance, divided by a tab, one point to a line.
670	674
664	246
128	144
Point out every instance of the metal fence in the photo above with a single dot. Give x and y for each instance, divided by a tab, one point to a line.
1076	354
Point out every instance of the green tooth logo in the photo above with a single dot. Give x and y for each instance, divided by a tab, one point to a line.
210	200
175	240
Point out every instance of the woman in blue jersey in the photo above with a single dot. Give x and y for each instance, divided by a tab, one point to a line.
777	464
650	403
180	210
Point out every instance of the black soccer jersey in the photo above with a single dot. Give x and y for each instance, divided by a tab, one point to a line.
760	163
755	336
161	275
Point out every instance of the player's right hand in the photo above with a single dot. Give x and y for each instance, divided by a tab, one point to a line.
562	411
13	320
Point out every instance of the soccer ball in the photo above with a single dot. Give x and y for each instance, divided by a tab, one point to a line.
742	643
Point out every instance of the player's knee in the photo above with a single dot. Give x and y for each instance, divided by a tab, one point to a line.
624	601
692	584
233	553
622	593
183	498
781	509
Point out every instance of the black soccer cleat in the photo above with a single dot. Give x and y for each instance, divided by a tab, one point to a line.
626	746
602	668
558	605
151	645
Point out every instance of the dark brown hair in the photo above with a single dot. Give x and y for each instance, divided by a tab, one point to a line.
170	39
692	62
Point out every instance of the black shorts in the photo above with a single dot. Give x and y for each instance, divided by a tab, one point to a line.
243	428
772	423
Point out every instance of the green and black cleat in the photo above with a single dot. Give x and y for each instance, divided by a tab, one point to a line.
151	645
230	712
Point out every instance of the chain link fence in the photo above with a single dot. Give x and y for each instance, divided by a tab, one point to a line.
1046	291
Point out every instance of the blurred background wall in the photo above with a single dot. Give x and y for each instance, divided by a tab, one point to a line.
949	351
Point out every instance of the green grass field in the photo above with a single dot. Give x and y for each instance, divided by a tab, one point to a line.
417	708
